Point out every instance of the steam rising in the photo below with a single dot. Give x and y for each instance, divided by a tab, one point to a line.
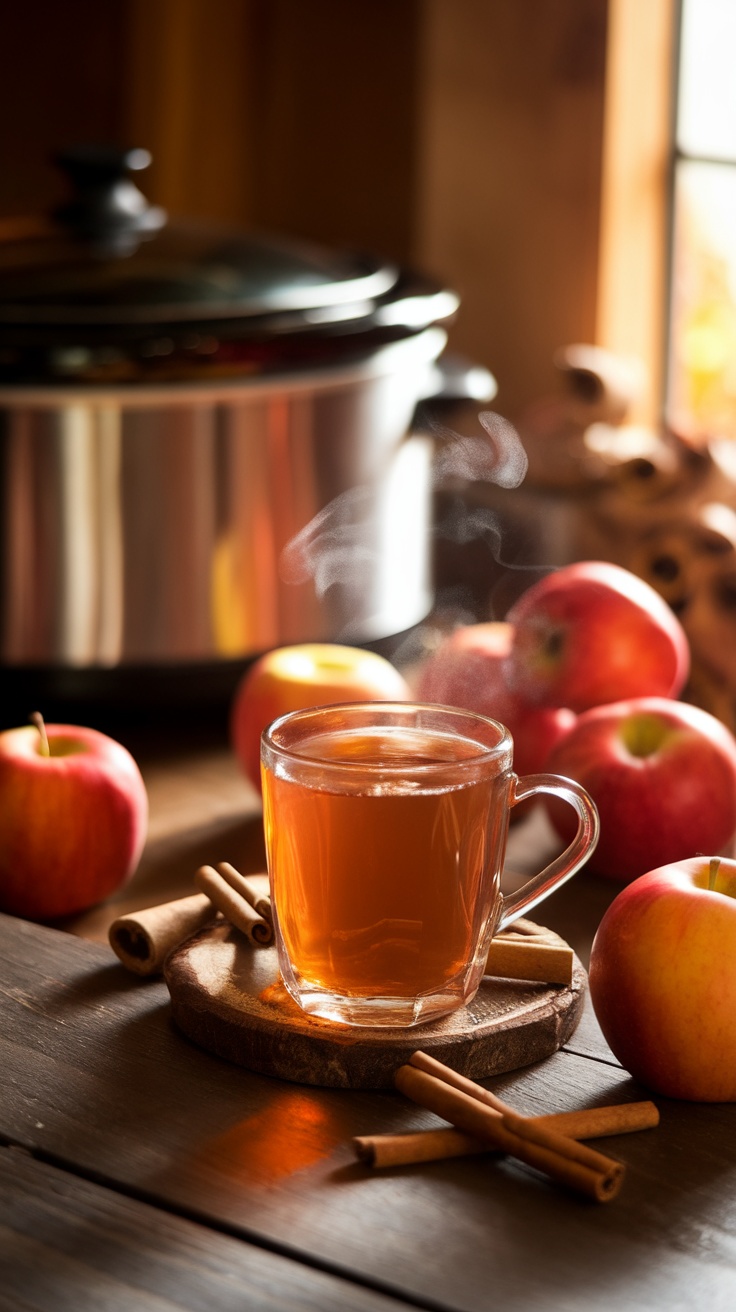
332	545
498	458
338	544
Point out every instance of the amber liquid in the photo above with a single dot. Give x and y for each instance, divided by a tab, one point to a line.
384	888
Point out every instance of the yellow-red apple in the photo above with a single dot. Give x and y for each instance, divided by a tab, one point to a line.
663	979
467	669
592	633
73	817
293	678
663	776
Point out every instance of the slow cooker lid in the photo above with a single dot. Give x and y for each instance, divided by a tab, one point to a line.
109	258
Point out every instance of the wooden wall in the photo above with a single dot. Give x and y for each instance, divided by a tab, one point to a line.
61	80
511	150
465	136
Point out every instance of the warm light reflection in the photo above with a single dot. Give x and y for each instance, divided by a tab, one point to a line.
291	1133
704	300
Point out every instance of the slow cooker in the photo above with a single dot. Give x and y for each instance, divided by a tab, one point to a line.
207	444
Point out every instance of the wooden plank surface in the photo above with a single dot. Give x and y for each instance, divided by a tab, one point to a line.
67	1245
93	1077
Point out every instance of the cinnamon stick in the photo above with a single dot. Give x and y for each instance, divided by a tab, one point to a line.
381	1150
423	1062
527	958
601	1122
253	888
384	1150
561	1158
142	940
234	906
594	1121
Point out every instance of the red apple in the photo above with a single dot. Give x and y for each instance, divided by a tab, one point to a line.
663	776
292	678
72	822
663	979
593	633
467	670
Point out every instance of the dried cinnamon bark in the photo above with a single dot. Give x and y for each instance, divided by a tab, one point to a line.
384	1150
233	904
143	940
525	957
584	1170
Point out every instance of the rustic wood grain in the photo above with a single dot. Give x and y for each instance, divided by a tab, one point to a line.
228	998
94	1077
70	1246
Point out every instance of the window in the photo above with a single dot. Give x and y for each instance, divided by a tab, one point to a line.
702	356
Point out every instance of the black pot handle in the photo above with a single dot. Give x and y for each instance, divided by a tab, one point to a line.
107	211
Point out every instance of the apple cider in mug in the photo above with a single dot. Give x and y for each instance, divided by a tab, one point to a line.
383	884
385	827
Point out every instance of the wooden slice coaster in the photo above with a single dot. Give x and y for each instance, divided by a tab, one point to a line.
227	997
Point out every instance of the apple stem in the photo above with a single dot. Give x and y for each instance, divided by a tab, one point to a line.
713	868
37	719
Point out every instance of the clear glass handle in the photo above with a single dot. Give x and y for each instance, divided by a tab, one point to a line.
568	862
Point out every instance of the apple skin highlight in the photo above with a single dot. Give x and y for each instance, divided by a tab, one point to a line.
662	980
72	824
294	678
592	633
663	776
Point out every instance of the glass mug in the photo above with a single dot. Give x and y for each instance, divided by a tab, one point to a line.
386	827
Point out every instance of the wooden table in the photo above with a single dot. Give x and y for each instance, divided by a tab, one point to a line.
138	1172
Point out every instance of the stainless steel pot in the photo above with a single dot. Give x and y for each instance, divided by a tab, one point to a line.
210	521
205	440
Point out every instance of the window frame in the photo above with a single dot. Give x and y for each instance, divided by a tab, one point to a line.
637	190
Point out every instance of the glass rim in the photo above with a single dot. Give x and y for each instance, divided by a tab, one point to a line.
451	713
